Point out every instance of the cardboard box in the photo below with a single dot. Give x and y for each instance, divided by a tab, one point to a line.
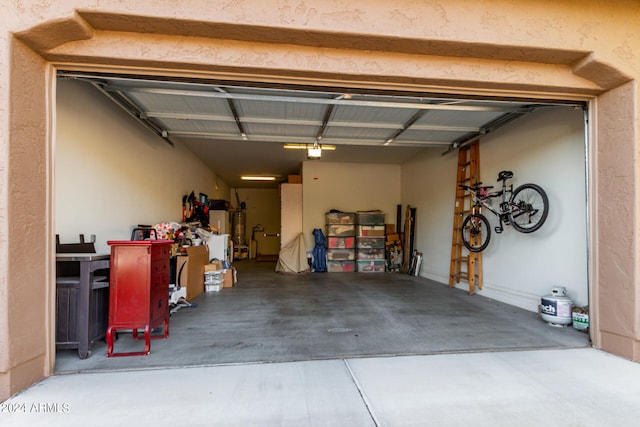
190	270
229	277
214	265
294	179
390	228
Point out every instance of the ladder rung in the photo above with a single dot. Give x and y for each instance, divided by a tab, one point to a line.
468	170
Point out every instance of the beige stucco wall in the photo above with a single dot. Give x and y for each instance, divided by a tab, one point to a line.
616	215
586	49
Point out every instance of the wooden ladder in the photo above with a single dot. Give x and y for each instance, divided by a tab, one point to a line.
468	174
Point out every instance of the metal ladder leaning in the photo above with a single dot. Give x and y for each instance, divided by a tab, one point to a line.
468	174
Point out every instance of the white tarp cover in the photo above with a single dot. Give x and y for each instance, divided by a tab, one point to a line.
293	257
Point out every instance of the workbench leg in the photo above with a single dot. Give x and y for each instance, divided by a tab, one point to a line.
83	305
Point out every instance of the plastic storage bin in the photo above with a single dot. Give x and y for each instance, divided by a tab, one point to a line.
341	230
372	218
341	255
341	266
371	266
371	230
371	254
341	242
370	243
340	218
213	287
213	280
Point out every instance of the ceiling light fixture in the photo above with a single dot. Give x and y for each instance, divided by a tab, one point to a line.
314	152
323	147
257	178
295	146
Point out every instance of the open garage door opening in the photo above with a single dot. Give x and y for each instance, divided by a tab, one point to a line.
391	148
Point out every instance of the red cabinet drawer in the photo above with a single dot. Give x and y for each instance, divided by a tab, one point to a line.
159	266
160	252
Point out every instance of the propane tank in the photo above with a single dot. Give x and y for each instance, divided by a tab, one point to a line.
556	307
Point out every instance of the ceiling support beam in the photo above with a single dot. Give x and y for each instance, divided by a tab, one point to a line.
130	108
304	122
325	121
234	112
406	126
487	128
298	139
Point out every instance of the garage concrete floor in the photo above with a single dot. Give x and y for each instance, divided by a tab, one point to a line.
555	388
272	317
475	362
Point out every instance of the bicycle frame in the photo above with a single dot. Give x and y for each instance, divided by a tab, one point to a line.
526	214
479	201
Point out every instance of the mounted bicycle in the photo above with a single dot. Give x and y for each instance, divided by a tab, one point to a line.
526	209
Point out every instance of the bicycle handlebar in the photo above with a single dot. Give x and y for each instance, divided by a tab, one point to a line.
476	187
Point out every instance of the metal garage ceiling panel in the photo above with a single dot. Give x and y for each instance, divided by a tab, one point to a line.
432	137
261	113
180	104
178	126
364	134
473	119
201	113
286	131
362	115
264	93
250	110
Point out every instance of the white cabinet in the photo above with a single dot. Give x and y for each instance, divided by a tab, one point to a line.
290	212
219	247
220	220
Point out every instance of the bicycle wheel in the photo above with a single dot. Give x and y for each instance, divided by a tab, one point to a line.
529	208
476	232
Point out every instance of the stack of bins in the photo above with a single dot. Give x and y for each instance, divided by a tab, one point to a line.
341	231
213	280
370	242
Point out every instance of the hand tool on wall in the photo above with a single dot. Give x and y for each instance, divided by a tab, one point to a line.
184	208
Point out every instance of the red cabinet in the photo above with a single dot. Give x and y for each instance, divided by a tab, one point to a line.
139	293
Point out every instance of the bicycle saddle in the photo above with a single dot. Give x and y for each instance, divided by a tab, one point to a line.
504	175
